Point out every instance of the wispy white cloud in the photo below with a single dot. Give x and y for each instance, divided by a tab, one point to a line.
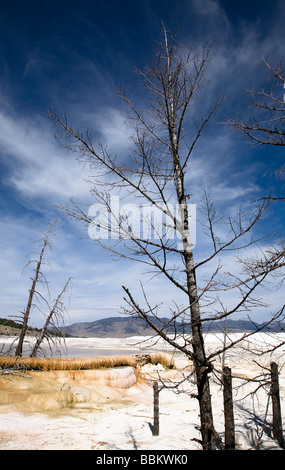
37	165
211	16
108	124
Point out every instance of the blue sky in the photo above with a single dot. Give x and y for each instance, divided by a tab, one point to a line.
71	56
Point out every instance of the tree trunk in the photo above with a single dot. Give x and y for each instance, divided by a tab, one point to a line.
228	409
202	369
276	407
155	431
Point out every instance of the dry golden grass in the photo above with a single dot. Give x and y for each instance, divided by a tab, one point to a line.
82	363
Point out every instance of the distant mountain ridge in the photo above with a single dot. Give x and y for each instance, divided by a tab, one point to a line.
111	327
122	327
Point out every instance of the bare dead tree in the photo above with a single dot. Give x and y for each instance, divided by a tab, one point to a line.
55	316
38	277
154	175
50	331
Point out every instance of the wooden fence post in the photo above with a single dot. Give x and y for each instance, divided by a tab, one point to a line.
276	407
228	409
155	431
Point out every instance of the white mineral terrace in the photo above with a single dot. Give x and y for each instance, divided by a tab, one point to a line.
112	408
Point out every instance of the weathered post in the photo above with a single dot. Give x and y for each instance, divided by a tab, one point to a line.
228	409
276	407
155	431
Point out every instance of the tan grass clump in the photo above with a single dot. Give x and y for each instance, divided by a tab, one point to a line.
82	363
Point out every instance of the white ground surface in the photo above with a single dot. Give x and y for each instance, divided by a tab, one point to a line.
124	419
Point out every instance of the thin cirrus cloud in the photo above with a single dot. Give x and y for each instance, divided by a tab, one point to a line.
37	165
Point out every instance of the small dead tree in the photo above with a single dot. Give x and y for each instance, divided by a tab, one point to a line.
56	313
154	175
38	277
